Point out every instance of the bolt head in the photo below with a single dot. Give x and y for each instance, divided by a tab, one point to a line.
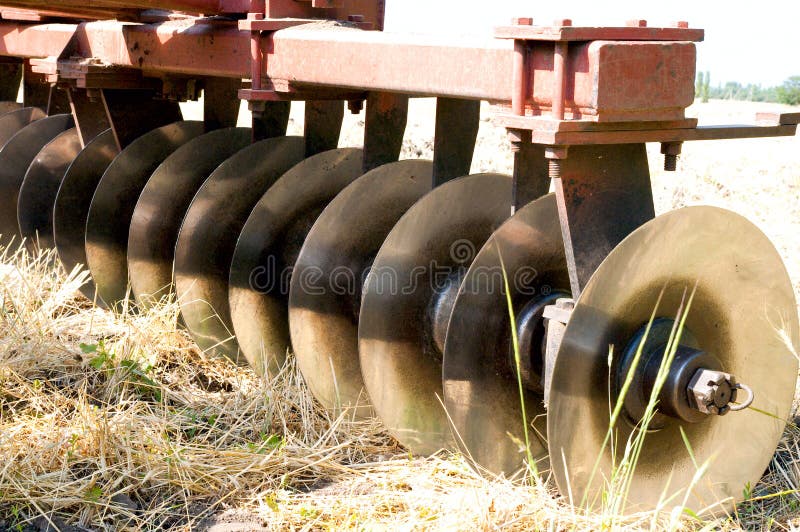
562	22
522	21
682	24
636	23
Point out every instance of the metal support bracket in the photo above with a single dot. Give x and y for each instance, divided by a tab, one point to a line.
384	128
457	123
604	193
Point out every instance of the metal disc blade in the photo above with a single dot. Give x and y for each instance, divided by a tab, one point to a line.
436	239
110	212
37	195
7	107
325	295
73	200
15	157
162	205
744	313
207	237
12	121
480	381
268	247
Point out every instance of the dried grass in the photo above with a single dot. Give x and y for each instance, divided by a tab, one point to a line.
160	436
110	422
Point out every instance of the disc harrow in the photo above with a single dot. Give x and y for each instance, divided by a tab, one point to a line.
471	312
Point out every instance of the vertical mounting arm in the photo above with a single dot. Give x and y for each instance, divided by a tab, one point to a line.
604	194
323	125
10	78
384	128
457	124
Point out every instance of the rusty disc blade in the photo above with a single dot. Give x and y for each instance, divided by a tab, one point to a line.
208	235
7	107
744	313
435	240
111	209
14	120
72	203
162	205
15	157
37	195
479	372
268	247
325	294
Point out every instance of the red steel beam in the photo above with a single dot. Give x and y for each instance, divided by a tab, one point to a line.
615	80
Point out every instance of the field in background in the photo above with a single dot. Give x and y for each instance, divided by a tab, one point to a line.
109	422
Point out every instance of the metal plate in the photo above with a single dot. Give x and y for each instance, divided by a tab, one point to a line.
743	305
12	121
325	295
480	385
437	237
73	200
162	205
7	107
37	195
268	247
15	157
207	237
111	210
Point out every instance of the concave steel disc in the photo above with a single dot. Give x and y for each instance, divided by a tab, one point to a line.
15	157
163	204
14	120
37	195
268	247
7	107
480	381
325	294
73	200
436	239
208	235
743	305
111	210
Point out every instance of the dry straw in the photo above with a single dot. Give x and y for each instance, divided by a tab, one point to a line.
110	422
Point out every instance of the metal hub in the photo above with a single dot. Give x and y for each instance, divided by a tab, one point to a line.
532	338
694	387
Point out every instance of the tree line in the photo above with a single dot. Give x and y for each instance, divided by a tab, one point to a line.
788	92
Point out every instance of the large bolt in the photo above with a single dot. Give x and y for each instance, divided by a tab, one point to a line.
554	156
522	21
713	392
671	150
636	23
562	22
355	106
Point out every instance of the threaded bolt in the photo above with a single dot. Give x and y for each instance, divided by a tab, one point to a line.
554	168
670	162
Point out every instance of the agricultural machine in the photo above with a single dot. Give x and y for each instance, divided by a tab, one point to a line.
475	312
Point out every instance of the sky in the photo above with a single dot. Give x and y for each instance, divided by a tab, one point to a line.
749	42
